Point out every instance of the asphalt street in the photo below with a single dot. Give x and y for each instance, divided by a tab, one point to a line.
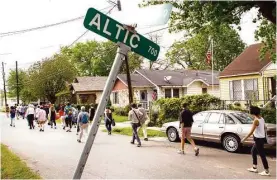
54	154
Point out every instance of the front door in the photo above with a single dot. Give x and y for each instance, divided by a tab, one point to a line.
143	98
273	87
213	127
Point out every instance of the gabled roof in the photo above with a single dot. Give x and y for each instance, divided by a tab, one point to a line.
136	80
248	62
82	84
179	77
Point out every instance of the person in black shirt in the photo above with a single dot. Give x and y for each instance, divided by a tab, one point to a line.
91	113
186	122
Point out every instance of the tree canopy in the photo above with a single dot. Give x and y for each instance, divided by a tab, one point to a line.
192	52
193	16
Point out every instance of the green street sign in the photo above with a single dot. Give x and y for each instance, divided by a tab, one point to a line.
111	29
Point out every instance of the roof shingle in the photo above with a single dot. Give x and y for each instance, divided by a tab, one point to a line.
89	83
248	62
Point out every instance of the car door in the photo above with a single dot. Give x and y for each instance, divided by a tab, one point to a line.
213	127
197	126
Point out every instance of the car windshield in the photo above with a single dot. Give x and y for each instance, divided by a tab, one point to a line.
244	118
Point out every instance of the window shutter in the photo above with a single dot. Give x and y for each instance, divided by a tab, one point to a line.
231	90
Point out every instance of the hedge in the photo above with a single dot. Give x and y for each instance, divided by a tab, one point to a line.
169	108
269	115
121	111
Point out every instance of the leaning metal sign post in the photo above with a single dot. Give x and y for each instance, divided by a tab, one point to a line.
126	40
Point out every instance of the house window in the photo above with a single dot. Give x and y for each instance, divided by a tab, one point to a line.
235	89
115	98
204	90
251	89
167	93
176	93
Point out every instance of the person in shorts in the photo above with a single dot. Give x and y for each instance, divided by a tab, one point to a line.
186	122
41	118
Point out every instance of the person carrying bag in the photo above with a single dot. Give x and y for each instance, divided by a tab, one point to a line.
134	116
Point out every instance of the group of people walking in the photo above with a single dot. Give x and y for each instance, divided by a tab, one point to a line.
139	119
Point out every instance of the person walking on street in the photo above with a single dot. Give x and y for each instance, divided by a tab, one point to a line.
62	116
108	118
134	116
68	116
12	116
83	121
144	121
53	117
91	113
41	118
186	122
259	131
17	111
30	114
23	110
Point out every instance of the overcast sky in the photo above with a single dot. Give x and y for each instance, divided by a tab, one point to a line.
33	46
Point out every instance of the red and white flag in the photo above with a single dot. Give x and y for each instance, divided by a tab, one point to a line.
209	54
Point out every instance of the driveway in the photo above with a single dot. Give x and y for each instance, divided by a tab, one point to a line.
55	154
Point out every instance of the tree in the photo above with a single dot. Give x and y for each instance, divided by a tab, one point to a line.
192	16
192	52
50	77
12	84
94	58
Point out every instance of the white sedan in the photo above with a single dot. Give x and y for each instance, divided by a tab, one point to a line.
220	126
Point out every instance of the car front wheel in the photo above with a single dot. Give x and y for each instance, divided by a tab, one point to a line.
231	143
172	134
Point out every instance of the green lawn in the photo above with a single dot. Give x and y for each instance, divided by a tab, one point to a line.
118	118
128	132
12	167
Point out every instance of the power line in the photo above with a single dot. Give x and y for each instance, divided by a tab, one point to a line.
10	33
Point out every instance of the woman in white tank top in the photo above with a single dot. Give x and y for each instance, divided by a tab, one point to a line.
258	130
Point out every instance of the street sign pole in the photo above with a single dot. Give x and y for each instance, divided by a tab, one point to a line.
122	51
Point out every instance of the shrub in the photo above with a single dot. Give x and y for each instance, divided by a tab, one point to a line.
170	108
269	115
121	111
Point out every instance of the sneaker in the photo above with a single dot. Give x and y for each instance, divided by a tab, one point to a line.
254	170
79	140
132	142
197	152
51	126
42	130
10	125
139	145
264	173
13	125
180	151
145	139
63	128
55	127
67	131
77	134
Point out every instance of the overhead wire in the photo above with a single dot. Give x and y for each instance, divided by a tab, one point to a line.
10	33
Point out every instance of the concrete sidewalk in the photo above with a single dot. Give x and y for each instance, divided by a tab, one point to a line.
128	124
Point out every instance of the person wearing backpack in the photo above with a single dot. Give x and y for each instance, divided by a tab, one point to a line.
12	115
68	116
83	121
91	113
53	117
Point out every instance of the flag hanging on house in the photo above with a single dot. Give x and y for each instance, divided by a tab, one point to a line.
209	53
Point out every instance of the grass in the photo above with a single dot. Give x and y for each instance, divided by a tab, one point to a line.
12	167
118	118
129	132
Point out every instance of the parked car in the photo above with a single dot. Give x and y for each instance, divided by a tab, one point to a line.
220	126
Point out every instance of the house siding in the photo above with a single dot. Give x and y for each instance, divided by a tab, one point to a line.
214	91
224	85
119	85
195	88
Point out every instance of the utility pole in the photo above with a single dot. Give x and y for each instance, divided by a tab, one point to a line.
127	66
17	85
129	80
4	81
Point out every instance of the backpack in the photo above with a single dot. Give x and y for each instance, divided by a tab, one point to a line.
84	119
